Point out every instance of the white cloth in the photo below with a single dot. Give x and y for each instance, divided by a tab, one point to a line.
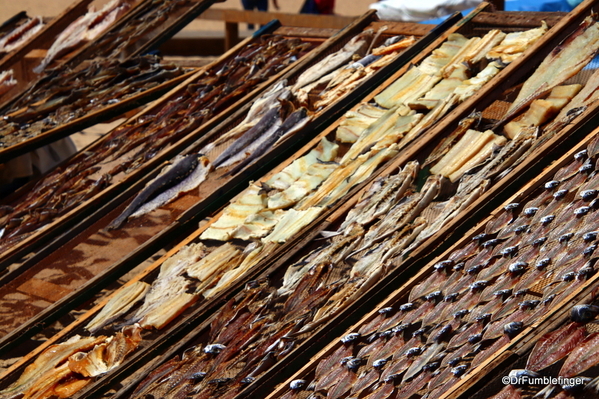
421	10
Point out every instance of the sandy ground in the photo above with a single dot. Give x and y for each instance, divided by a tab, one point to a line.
50	8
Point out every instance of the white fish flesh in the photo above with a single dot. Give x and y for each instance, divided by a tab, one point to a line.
191	182
357	45
20	35
83	30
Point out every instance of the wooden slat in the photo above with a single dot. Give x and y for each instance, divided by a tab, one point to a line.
531	20
255	17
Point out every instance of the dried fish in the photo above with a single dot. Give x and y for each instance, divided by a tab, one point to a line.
184	174
83	30
118	305
562	63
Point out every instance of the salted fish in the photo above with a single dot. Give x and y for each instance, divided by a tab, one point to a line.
442	90
251	201
86	28
170	177
434	63
257	225
292	124
20	35
587	95
471	144
167	296
554	346
477	53
515	43
107	355
326	151
258	143
250	136
370	135
259	107
583	357
478	158
291	223
565	61
308	182
118	305
46	362
346	176
470	86
191	182
381	202
357	45
7	81
209	264
354	122
251	257
407	88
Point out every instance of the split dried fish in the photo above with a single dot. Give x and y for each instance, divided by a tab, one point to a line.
186	173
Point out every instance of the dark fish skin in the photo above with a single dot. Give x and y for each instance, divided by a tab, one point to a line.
554	346
262	126
289	123
175	175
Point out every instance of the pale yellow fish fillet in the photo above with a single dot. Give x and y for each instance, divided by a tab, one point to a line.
250	202
343	179
309	181
120	304
467	151
44	364
232	275
209	264
563	62
515	43
291	223
433	64
326	151
372	134
478	158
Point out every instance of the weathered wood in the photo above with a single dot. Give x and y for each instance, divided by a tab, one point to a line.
528	19
231	34
256	17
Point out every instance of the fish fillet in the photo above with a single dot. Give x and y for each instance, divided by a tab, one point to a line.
120	304
192	182
562	63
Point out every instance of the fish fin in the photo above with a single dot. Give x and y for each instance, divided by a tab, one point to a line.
329	234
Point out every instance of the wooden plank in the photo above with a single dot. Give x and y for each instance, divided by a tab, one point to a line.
532	20
256	17
231	34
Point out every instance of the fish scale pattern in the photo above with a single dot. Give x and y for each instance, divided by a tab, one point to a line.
473	303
